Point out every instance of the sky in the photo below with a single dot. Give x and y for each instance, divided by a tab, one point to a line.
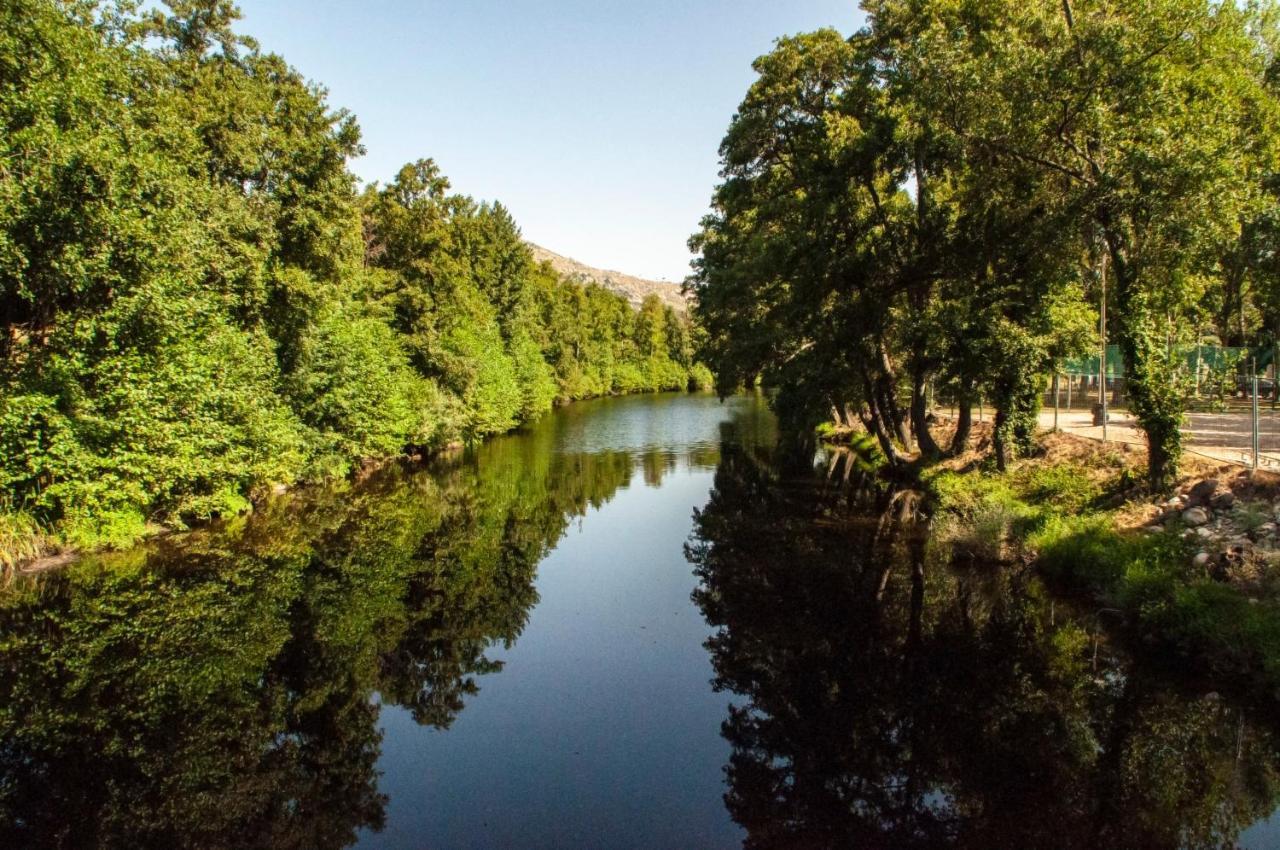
596	122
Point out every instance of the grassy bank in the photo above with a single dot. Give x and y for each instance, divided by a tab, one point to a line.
1076	514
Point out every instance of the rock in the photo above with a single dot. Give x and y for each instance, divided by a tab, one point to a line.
1202	492
1267	529
1223	501
1196	516
279	489
1176	503
1204	532
1201	559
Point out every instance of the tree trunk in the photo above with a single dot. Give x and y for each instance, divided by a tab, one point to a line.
919	415
888	400
874	421
892	413
1155	404
964	422
998	442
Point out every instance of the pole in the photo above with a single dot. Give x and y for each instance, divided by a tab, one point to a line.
1197	362
1255	415
1070	381
1102	332
1055	401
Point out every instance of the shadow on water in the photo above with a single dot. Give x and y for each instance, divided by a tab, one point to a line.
885	699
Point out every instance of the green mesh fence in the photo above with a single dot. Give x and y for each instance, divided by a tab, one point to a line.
1193	358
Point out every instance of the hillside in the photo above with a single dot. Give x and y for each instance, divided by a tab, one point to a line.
634	289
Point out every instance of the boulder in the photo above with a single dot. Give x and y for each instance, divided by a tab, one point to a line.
1201	559
1195	516
1223	501
1203	492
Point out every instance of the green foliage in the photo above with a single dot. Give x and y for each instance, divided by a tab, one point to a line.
1221	380
352	384
940	198
195	303
1148	578
20	538
700	378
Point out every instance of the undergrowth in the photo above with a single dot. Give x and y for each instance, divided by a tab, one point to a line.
1063	518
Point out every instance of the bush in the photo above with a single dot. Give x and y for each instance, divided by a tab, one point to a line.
354	386
20	538
627	378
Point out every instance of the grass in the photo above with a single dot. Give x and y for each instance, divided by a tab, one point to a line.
1064	517
21	539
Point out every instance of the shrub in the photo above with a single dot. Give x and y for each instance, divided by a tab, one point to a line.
700	378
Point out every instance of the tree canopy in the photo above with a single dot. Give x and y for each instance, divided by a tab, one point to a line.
940	199
198	301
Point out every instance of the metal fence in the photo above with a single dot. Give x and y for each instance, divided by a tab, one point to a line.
1233	408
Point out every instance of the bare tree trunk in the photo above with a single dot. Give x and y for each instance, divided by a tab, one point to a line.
875	422
919	416
886	386
998	441
964	422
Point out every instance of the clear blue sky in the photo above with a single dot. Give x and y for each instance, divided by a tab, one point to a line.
595	121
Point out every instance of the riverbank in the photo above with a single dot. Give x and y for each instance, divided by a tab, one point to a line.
1195	578
29	546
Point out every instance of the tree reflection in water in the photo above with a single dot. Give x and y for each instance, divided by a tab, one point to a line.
223	692
888	699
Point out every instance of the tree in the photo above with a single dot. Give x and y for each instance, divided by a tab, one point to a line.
1144	122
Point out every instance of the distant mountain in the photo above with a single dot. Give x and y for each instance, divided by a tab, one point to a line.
634	289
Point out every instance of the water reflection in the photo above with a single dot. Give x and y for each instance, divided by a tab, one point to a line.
228	689
223	689
887	700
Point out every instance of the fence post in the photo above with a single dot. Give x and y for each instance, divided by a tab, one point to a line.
1198	363
1103	393
1255	418
1055	401
1069	383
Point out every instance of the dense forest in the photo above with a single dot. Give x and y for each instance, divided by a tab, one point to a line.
939	203
199	302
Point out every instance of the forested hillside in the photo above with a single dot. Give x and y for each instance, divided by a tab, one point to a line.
199	302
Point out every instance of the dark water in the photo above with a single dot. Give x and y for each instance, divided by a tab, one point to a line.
633	625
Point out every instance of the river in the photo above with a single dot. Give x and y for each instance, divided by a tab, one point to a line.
631	624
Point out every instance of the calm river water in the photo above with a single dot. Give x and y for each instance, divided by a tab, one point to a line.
631	625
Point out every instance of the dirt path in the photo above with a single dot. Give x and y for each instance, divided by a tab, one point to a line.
1219	436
